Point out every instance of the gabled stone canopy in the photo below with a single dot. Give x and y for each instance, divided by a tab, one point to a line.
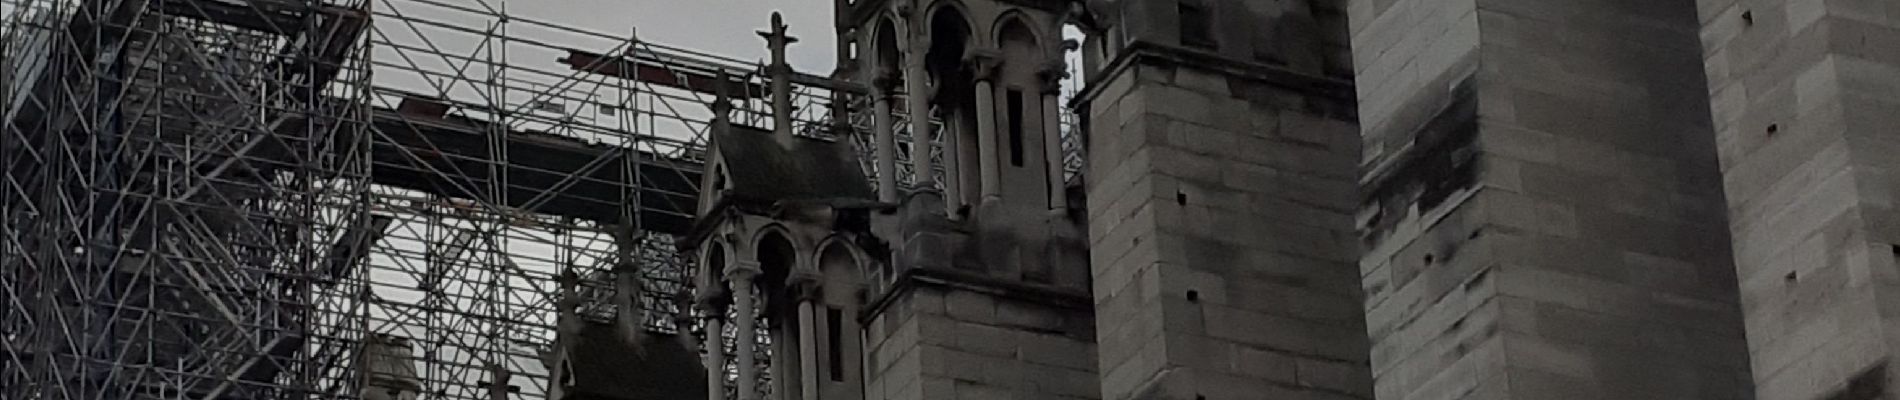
598	362
761	171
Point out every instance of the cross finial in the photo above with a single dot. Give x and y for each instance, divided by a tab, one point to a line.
778	39
779	35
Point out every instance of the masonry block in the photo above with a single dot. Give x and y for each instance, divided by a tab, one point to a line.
1237	267
1527	206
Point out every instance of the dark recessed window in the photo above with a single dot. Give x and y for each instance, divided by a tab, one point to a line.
1016	127
1197	24
835	342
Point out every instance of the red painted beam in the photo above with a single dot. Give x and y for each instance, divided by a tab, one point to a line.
645	71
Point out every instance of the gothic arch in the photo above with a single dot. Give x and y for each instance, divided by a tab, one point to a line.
949	25
715	250
886	44
842	297
796	248
1015	24
713	259
1023	50
843	275
833	243
962	12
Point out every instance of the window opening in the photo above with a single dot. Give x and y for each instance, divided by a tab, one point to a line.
1197	25
1016	127
833	341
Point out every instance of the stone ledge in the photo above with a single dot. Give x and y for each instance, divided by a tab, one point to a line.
913	278
1340	93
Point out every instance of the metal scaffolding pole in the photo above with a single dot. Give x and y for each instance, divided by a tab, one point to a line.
328	199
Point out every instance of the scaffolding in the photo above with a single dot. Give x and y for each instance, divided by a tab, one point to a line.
213	199
318	199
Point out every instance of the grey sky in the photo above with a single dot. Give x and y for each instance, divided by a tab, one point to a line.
722	27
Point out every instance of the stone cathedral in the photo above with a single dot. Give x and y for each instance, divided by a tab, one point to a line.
1323	199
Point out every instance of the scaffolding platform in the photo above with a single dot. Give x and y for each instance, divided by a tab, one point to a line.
546	174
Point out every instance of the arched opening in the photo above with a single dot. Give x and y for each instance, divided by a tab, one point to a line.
1017	105
955	85
777	257
885	58
1019	93
949	39
840	340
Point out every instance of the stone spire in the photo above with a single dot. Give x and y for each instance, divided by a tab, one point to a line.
781	74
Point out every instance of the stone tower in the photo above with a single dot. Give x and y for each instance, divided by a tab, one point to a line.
782	235
1803	94
1222	148
1541	203
985	294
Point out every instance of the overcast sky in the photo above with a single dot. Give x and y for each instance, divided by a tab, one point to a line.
724	27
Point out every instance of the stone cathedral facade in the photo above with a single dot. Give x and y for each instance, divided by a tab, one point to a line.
1327	199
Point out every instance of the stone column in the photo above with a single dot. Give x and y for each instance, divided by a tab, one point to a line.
805	286
1052	136
783	356
715	347
919	107
990	177
740	276
886	138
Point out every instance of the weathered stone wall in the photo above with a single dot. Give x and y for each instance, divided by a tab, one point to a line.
1305	35
1804	94
1221	236
1542	206
937	341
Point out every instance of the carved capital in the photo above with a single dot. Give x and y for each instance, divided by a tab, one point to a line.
903	7
983	62
1052	75
803	276
883	82
742	272
712	301
805	284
